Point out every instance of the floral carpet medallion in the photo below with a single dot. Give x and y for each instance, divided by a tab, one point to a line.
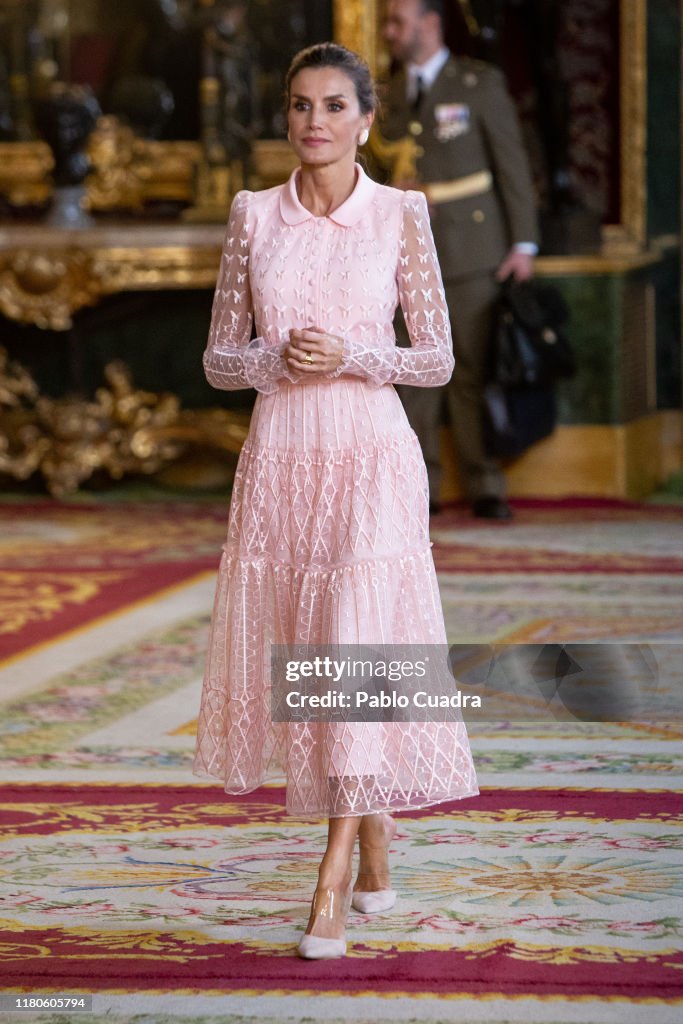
567	894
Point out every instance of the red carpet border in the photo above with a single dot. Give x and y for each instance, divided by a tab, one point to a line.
127	955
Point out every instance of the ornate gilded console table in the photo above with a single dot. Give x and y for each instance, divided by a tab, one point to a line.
48	274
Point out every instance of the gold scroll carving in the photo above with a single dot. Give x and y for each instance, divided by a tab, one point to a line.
45	288
129	172
24	170
126	173
48	274
123	430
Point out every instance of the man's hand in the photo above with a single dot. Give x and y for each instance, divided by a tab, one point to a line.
519	265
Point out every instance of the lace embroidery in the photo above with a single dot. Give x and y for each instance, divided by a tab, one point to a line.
345	280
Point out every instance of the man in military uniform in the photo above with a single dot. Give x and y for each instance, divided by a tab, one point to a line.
472	165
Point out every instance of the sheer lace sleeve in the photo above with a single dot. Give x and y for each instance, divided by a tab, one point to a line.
429	361
231	360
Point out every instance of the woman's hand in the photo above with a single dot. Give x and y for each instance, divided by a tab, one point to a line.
314	352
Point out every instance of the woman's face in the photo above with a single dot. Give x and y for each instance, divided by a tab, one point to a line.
324	117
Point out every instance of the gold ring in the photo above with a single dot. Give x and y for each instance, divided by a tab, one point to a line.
308	358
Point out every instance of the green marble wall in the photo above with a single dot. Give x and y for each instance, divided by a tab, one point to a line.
609	330
667	280
594	394
664	117
664	186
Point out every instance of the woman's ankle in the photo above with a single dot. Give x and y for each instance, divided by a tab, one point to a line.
376	830
375	837
334	873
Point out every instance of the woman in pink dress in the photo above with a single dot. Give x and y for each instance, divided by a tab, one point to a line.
328	539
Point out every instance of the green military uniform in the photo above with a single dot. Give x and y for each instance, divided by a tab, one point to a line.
467	129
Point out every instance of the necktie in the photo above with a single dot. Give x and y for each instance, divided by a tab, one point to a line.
419	92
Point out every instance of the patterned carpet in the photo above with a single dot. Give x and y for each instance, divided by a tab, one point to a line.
554	896
65	566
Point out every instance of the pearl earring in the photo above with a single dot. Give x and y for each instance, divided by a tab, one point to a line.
363	137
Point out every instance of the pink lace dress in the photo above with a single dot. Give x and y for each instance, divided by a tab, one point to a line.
328	538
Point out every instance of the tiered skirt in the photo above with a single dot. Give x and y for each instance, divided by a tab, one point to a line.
327	544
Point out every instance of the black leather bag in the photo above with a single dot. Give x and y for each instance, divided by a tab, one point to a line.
529	346
529	353
516	418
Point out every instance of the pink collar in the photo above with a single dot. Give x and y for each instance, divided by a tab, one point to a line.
350	211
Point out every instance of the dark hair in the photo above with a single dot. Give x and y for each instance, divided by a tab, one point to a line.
332	55
434	7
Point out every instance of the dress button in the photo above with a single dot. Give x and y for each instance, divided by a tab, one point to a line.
479	216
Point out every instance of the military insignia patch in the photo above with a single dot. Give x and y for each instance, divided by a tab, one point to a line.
452	119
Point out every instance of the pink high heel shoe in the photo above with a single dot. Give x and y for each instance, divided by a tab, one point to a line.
382	899
328	906
374	902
